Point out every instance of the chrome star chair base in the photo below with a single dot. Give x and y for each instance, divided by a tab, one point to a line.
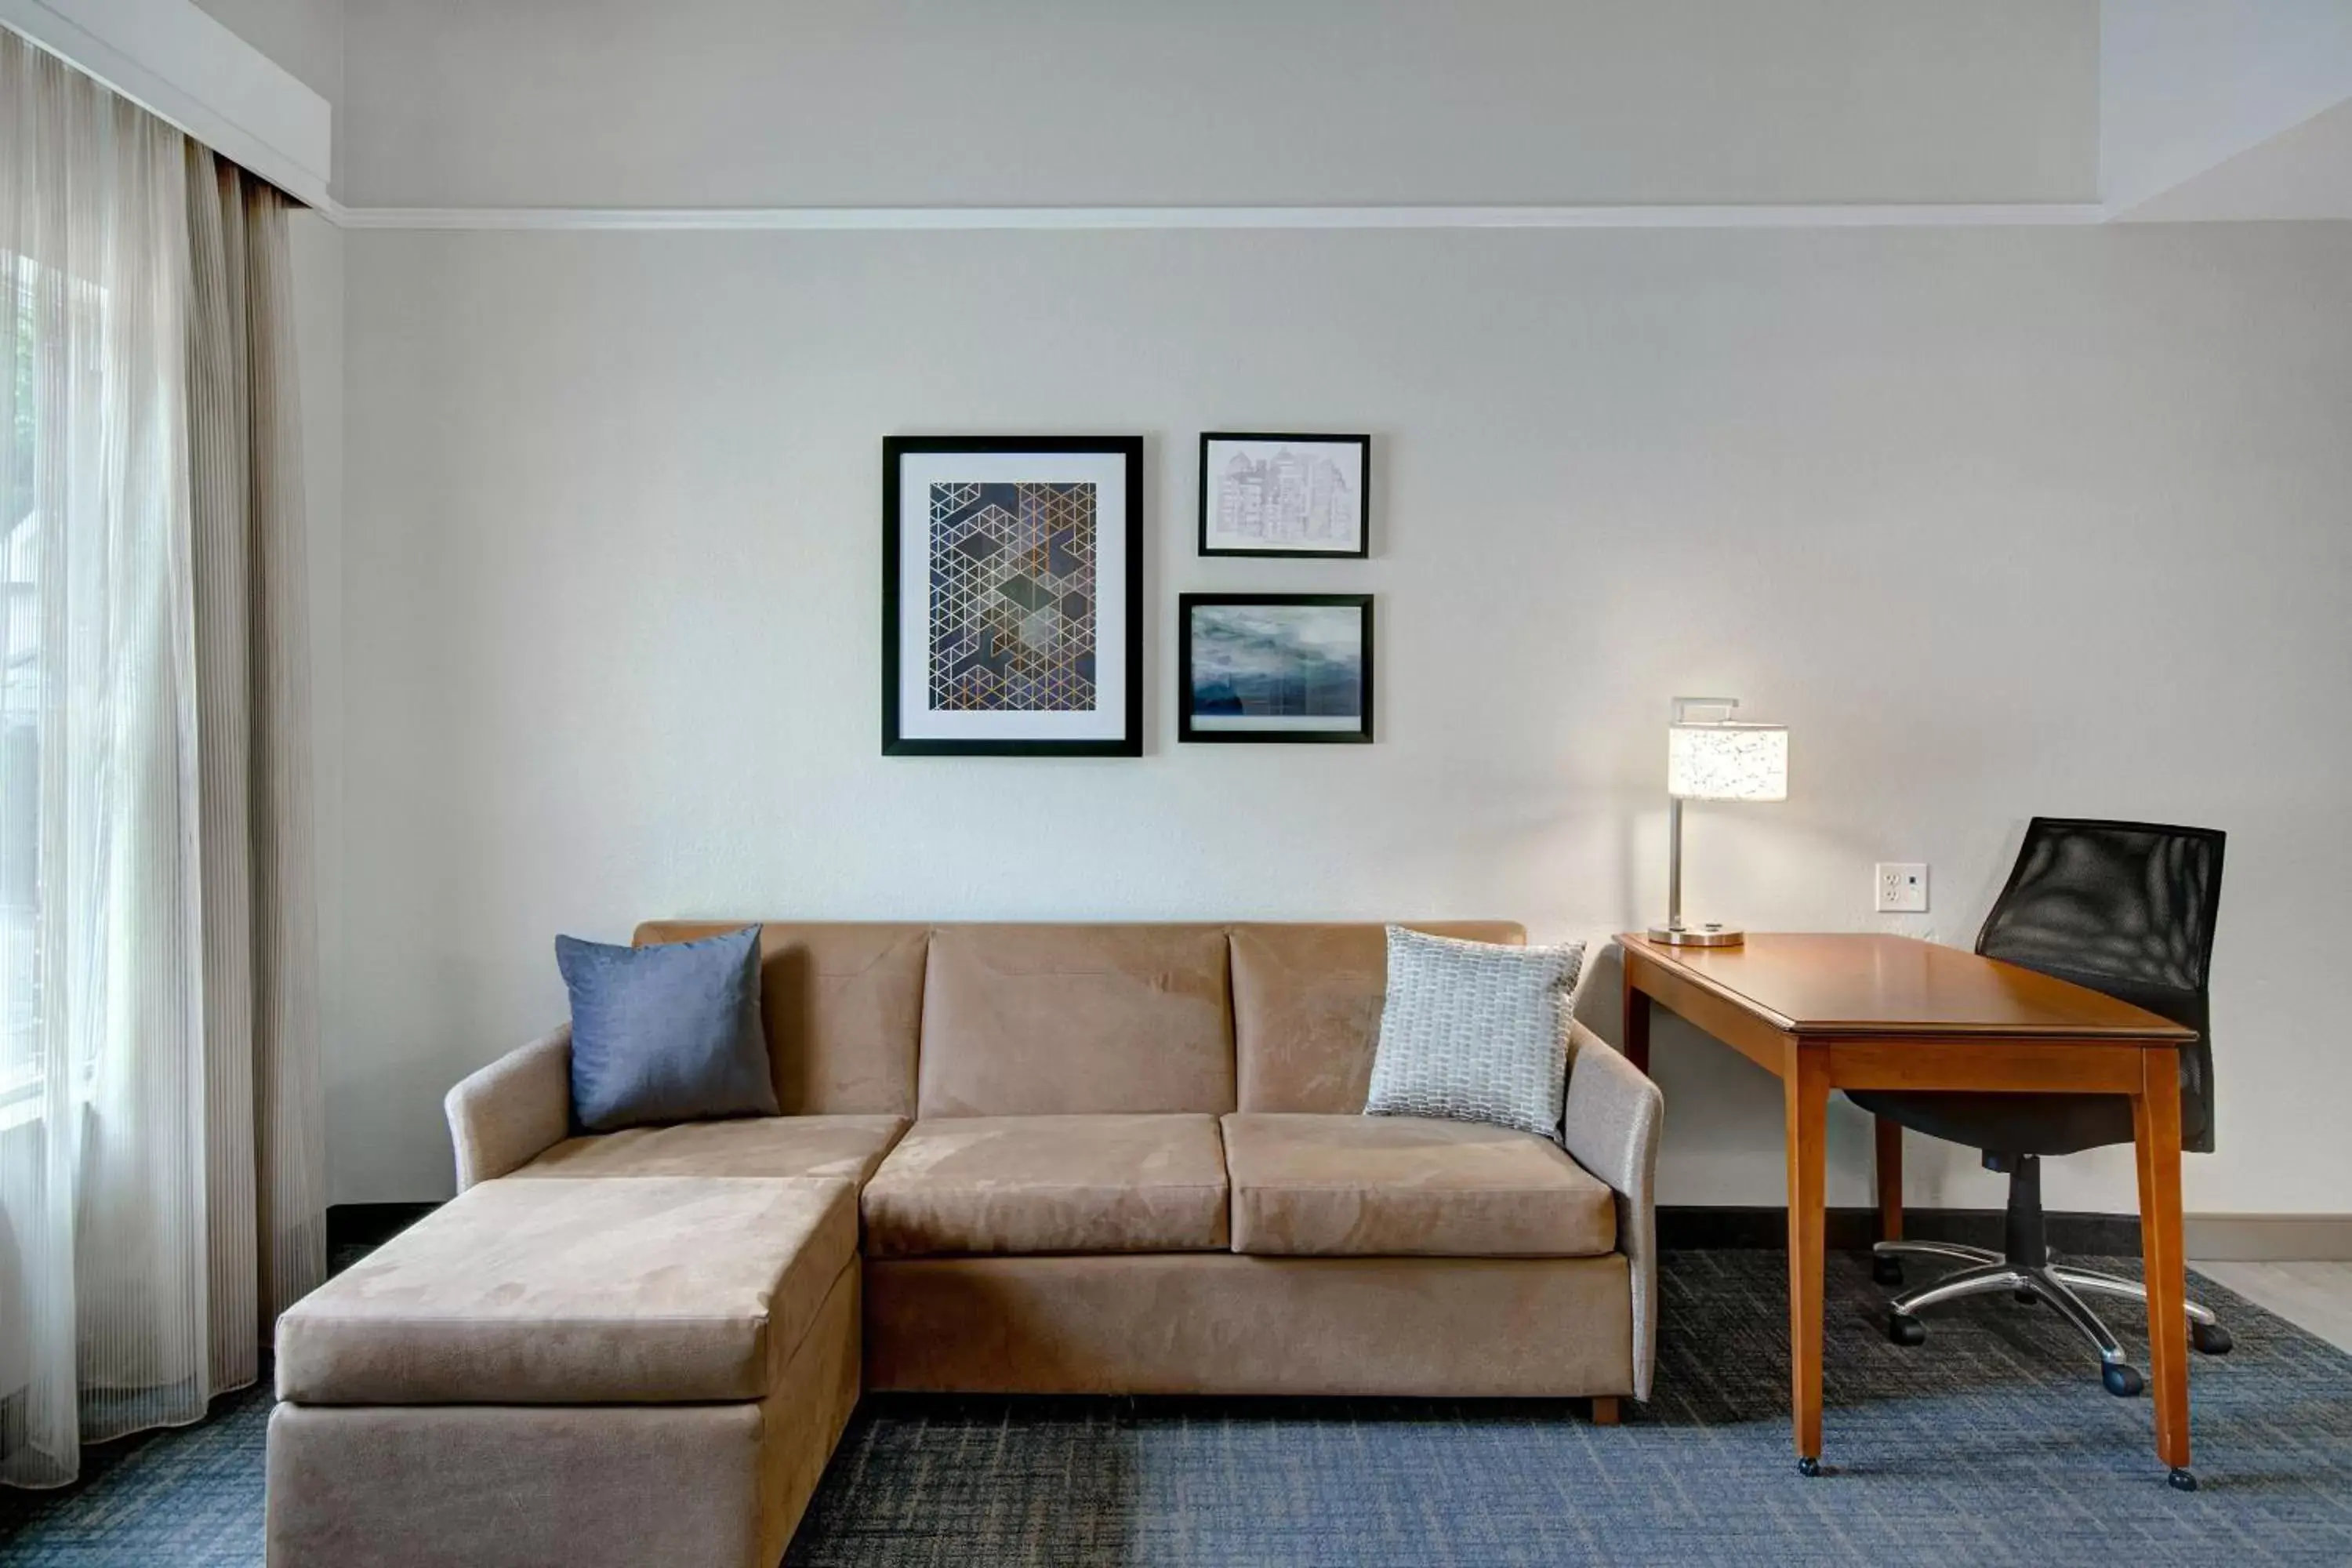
2029	1271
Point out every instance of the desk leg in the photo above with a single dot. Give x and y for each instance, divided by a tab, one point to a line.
2156	1139
1637	1023
1805	1090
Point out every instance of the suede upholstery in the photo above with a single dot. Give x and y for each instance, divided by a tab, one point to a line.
655	1367
590	1486
1307	1009
1613	1123
850	1147
1223	1323
652	1290
513	1109
1304	1042
1050	1183
1398	1186
1053	1020
841	1004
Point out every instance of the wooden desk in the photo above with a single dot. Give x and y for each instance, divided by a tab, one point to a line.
1887	1012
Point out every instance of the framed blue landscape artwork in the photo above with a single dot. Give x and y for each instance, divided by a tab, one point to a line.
1013	595
1274	667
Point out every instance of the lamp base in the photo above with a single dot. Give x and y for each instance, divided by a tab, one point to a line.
1711	934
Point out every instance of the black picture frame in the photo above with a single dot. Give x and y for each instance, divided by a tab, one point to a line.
1189	732
1363	445
895	450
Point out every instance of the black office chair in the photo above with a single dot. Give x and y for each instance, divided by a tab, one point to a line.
2125	908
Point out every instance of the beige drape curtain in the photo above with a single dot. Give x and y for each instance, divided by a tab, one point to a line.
160	1158
266	1166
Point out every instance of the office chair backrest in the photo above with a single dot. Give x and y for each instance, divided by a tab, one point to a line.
2126	907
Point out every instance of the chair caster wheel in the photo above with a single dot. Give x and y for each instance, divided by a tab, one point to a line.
1885	1271
1810	1467
2024	1298
2181	1481
2121	1381
1905	1330
2211	1338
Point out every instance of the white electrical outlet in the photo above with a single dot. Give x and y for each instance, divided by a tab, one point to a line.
1902	887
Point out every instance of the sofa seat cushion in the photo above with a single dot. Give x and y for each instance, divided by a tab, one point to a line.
1050	1183
662	1290
1403	1186
846	1146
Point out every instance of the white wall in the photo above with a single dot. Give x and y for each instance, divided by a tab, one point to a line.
877	102
2000	521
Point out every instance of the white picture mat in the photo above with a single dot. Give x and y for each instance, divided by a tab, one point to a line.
1347	724
917	472
1350	458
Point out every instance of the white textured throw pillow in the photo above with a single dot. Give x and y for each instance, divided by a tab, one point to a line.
1475	1031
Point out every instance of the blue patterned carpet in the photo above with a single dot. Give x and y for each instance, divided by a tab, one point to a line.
1993	1443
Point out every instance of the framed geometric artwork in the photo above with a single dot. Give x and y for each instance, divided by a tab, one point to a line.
1012	596
1274	667
1286	495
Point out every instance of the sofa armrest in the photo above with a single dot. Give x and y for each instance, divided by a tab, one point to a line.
508	1113
1610	1128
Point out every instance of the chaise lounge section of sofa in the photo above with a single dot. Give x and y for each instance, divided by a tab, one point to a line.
1084	1159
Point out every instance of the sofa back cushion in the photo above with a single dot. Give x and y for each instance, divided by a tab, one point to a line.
1307	1009
1046	1020
842	1004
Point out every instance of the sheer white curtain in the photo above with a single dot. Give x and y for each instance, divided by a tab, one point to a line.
144	1108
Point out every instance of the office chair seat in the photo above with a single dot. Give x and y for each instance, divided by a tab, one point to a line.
2007	1123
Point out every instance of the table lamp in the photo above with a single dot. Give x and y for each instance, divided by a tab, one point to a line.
1717	758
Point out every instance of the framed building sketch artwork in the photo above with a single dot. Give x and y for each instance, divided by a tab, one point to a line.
1013	595
1286	495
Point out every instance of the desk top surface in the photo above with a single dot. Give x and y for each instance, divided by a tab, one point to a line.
1863	984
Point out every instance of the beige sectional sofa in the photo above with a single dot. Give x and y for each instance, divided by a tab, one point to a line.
1012	1158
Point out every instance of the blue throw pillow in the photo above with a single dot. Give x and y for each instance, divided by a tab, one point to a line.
665	1033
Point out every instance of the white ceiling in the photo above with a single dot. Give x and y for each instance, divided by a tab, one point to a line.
2146	109
1021	103
2225	108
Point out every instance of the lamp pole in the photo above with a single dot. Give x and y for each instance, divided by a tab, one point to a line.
1673	931
1673	862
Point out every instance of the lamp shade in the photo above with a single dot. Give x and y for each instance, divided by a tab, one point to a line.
1728	762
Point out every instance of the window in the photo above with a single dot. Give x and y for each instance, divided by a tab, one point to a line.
52	338
21	1063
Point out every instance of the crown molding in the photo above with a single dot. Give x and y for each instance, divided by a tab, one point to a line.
1860	214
